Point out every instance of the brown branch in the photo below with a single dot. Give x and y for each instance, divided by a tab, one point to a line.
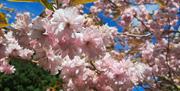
135	35
168	58
93	67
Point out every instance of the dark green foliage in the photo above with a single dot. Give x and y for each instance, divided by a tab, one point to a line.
27	77
168	84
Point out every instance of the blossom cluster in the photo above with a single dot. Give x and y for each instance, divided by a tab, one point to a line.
70	43
66	43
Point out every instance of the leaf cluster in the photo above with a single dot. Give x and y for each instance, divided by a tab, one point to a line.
28	77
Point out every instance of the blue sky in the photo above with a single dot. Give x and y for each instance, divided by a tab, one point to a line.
34	8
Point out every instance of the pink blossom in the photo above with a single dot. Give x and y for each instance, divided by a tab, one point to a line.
68	17
5	67
48	60
74	43
93	45
69	46
22	21
64	1
2	52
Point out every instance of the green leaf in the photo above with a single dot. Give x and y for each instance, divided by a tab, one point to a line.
46	4
161	3
23	0
3	20
77	2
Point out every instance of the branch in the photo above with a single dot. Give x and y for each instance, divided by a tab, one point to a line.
135	35
131	3
93	67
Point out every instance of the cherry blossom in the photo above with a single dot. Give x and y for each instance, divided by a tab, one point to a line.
78	48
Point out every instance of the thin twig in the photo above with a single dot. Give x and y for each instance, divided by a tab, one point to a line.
135	35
